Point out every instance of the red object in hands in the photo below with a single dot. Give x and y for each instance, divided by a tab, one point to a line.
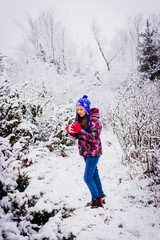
67	129
76	127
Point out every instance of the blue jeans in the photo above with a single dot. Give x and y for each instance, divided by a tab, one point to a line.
91	177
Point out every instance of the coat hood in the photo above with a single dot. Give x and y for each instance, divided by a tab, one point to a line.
94	112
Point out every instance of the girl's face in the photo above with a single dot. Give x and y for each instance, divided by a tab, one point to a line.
81	111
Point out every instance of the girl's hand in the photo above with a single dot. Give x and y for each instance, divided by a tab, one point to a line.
76	127
67	129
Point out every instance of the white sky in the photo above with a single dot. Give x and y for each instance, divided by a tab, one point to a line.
110	15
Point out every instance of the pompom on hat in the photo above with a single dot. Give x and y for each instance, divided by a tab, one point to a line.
85	103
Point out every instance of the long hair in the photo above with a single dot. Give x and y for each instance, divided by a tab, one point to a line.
82	121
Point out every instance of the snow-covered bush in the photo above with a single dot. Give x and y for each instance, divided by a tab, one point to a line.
59	140
26	124
136	123
17	132
17	117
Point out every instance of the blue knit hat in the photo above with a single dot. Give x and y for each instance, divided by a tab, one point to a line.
85	103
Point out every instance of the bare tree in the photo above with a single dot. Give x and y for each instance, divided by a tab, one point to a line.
51	34
95	31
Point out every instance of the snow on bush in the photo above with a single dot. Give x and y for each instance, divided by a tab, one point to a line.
136	123
25	127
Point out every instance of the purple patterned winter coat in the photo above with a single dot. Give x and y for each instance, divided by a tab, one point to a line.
89	144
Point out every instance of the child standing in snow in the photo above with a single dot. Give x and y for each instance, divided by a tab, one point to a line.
87	129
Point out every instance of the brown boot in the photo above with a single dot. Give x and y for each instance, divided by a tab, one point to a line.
97	203
103	196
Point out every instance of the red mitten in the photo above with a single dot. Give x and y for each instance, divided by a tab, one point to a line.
67	129
76	127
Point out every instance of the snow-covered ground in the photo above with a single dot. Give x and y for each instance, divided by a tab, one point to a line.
127	214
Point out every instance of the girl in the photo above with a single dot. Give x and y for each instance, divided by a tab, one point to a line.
87	129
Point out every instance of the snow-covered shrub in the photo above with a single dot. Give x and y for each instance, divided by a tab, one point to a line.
17	117
33	120
17	133
136	123
58	139
28	123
